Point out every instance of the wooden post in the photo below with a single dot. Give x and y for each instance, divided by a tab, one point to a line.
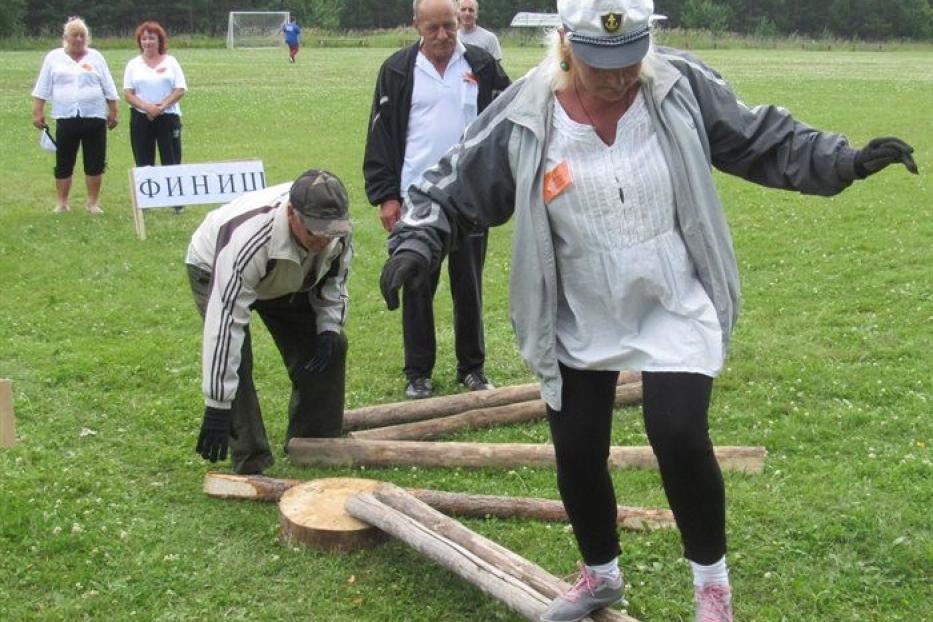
139	220
479	418
260	488
521	585
353	452
7	417
418	410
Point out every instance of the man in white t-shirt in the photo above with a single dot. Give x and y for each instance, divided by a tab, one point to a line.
474	34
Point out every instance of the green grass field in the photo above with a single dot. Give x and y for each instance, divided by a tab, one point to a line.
101	512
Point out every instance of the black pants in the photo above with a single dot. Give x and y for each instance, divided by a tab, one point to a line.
146	134
675	409
90	133
315	409
465	270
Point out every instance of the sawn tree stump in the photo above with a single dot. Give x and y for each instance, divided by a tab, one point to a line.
313	514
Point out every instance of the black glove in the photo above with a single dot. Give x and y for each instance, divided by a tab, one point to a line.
323	352
406	268
881	152
215	429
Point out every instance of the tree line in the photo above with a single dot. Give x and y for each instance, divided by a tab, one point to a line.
848	19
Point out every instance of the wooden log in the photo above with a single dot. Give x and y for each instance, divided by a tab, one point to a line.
313	514
480	418
7	417
256	487
382	415
547	510
527	572
350	452
464	563
259	488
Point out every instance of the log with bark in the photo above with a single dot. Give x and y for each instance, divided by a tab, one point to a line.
350	452
382	415
260	488
480	418
519	584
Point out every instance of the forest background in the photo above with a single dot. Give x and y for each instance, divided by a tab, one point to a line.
868	20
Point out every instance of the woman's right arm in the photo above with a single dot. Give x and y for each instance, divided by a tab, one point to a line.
134	100
38	113
41	93
470	189
129	90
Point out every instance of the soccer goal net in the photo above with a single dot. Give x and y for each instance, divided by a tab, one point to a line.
255	29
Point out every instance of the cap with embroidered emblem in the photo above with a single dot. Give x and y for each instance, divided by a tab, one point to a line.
607	34
321	201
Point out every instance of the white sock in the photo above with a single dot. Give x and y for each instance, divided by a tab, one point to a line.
608	571
715	574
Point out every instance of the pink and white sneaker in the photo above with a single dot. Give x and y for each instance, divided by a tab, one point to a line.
714	603
589	593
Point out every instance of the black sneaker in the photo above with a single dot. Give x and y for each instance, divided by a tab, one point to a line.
419	388
476	381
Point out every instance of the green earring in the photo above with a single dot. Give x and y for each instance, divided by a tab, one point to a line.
564	65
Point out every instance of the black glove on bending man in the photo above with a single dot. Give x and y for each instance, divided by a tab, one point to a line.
323	352
406	268
881	152
215	429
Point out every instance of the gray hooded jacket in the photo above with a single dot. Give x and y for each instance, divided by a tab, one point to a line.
497	171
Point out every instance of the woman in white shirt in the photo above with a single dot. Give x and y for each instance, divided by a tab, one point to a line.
84	105
153	83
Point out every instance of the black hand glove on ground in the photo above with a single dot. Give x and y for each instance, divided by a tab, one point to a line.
881	152
215	429
323	352
404	268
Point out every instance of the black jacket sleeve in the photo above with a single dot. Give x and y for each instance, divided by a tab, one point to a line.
385	138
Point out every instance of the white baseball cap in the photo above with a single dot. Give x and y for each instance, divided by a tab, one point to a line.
607	34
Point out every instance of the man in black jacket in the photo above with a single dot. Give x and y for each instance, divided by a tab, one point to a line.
425	96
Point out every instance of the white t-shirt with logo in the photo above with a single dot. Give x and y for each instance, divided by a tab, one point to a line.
76	88
153	84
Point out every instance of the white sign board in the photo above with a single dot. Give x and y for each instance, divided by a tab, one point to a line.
195	184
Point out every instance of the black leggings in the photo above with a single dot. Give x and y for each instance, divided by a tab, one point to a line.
70	133
675	409
145	134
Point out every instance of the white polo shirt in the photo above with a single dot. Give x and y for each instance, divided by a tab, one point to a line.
441	108
76	88
153	84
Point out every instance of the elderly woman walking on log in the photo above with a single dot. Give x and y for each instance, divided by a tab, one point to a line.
622	258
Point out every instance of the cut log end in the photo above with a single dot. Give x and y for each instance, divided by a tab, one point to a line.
256	487
313	515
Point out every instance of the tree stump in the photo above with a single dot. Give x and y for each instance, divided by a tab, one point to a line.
312	514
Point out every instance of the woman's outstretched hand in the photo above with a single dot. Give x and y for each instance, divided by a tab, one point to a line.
880	152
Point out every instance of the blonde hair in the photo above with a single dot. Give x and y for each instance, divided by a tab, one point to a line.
73	26
558	51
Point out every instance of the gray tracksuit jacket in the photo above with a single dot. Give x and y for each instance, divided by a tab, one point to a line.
497	172
247	247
